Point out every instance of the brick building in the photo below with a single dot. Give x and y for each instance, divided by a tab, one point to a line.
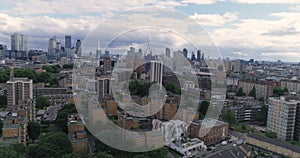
78	136
212	131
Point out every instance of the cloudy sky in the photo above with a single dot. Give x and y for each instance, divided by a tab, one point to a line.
259	29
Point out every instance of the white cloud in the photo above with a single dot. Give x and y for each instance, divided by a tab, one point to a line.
267	1
259	35
199	1
284	56
214	19
78	7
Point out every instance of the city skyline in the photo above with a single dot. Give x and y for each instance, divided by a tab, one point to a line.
266	30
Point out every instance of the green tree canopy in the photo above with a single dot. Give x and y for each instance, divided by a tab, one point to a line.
52	144
263	114
51	68
272	135
18	150
240	92
4	75
252	93
203	108
34	130
277	91
171	87
137	88
68	66
3	101
62	117
229	117
102	154
42	101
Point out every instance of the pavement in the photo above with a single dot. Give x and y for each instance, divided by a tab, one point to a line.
235	136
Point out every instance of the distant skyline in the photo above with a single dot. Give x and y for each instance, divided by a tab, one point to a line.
263	30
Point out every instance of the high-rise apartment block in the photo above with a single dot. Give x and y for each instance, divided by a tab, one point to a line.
105	87
156	72
282	117
18	89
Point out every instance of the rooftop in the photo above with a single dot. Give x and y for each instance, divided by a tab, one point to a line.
275	142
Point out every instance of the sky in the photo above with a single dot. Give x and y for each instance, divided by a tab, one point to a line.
259	29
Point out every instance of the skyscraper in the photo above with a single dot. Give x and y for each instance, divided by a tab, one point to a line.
193	56
52	45
199	55
168	52
185	52
19	42
68	42
78	48
18	89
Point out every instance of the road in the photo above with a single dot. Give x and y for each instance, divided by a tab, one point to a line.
235	136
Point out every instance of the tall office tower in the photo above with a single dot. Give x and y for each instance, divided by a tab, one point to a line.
105	87
68	45
78	48
98	51
193	56
52	45
199	55
168	52
156	71
106	65
19	42
58	46
282	117
68	42
185	52
18	89
178	61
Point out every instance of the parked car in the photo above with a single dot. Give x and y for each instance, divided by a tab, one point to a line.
224	143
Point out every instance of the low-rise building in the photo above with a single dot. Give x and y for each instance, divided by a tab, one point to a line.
186	147
78	136
211	131
172	130
273	145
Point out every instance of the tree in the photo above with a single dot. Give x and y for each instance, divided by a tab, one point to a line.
19	148
102	155
14	150
51	68
34	130
171	87
52	144
277	91
263	114
240	92
1	125
272	135
261	99
3	101
42	101
203	107
252	93
62	117
68	66
229	117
